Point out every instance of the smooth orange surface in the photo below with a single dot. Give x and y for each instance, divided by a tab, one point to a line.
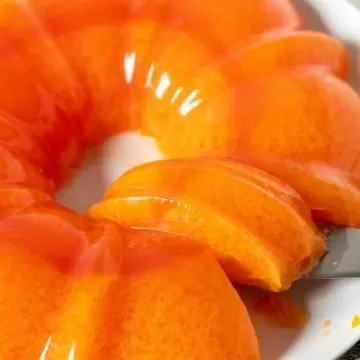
38	87
227	27
16	197
302	105
25	99
123	30
281	51
16	169
15	135
31	293
27	46
172	295
259	229
48	229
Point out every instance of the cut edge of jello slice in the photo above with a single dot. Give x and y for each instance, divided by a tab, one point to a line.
259	229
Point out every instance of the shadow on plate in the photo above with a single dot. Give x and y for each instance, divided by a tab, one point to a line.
274	340
102	166
314	21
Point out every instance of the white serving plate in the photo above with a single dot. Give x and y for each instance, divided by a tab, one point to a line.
337	301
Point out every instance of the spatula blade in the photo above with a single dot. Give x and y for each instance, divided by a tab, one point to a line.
343	258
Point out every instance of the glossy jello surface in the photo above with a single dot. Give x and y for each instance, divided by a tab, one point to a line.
244	215
260	134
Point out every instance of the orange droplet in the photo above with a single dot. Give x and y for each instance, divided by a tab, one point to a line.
281	311
327	324
355	321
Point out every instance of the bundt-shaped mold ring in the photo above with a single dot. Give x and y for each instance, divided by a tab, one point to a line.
236	79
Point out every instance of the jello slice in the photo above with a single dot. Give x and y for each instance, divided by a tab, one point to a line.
259	229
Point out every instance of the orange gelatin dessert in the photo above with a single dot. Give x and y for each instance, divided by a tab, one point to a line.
261	135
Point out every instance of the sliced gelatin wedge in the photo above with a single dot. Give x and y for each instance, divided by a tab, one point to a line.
259	229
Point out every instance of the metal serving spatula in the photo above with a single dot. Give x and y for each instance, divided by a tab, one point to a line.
343	258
